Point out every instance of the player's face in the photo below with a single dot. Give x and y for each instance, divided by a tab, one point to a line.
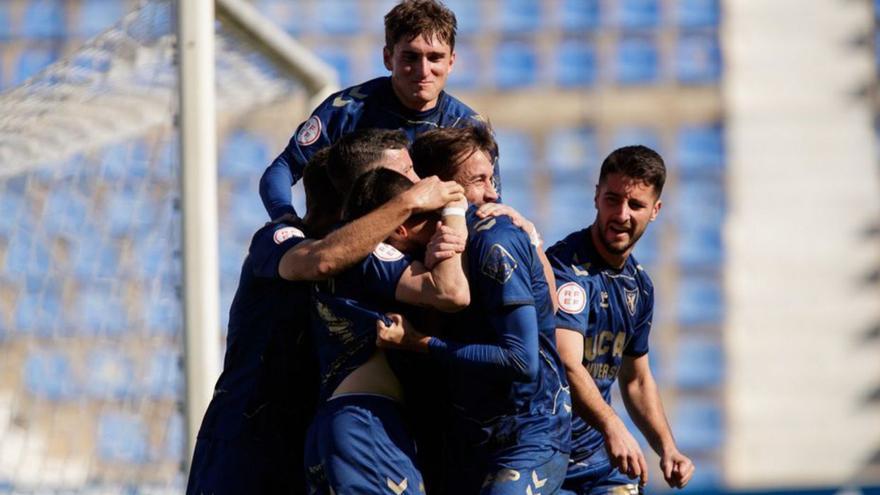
625	206
400	162
419	68
475	176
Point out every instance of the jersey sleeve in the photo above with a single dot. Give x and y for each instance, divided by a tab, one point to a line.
573	297
638	345
500	268
269	245
381	271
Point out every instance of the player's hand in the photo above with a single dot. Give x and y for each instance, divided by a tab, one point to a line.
399	335
677	469
431	194
498	209
444	244
624	451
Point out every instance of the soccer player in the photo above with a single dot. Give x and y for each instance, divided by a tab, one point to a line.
358	442
511	420
251	438
420	53
606	303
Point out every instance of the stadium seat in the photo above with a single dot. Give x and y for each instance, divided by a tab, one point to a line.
516	65
126	161
335	17
468	68
122	437
130	210
95	256
109	375
521	196
66	211
27	253
636	60
38	311
698	363
13	204
518	16
44	19
576	64
242	155
701	149
516	155
102	310
572	155
630	136
577	16
288	15
468	16
698	13
32	60
164	378
164	313
697	59
174	437
636	14
705	196
700	300
48	374
571	209
647	251
97	15
698	424
340	59
699	245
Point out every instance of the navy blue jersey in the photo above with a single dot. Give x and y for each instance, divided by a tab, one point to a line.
372	104
265	397
611	308
345	312
503	414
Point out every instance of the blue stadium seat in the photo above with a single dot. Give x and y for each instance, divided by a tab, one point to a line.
109	375
518	16
44	19
700	245
154	257
48	374
700	300
520	196
577	16
636	14
698	424
164	313
698	59
174	439
339	16
102	310
130	210
27	253
243	155
516	65
637	60
705	196
516	155
698	13
647	250
630	136
32	60
122	437
571	209
576	63
468	67
288	15
38	311
66	211
129	161
96	16
340	59
94	256
467	14
164	379
701	149
699	363
572	155
13	204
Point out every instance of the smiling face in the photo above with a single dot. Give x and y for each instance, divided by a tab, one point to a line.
419	69
475	175
625	206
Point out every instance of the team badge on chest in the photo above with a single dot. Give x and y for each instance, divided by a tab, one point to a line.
632	299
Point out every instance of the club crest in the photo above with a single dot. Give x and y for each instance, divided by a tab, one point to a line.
498	264
632	299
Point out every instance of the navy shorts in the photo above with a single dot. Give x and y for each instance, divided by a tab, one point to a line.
359	443
543	474
595	476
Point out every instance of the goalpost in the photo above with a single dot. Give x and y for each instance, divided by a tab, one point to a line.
88	172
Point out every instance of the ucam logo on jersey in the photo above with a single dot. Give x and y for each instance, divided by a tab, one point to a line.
572	298
309	132
632	298
387	252
286	233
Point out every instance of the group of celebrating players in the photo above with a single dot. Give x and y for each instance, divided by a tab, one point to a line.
409	334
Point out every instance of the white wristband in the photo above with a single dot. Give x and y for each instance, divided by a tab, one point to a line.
452	211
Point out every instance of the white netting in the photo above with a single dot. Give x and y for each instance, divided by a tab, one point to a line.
90	316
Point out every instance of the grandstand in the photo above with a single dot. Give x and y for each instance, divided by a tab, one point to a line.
91	324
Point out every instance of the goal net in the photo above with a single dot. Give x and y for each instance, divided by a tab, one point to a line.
91	337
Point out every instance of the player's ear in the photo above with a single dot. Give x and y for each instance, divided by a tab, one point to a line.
656	210
596	197
451	61
386	57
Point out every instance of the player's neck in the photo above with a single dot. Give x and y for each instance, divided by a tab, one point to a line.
614	260
413	105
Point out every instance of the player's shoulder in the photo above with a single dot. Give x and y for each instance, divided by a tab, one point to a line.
279	232
493	230
353	98
640	274
566	251
456	113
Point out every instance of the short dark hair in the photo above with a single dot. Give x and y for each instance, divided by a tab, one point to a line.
373	189
357	152
440	151
636	162
323	203
411	18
